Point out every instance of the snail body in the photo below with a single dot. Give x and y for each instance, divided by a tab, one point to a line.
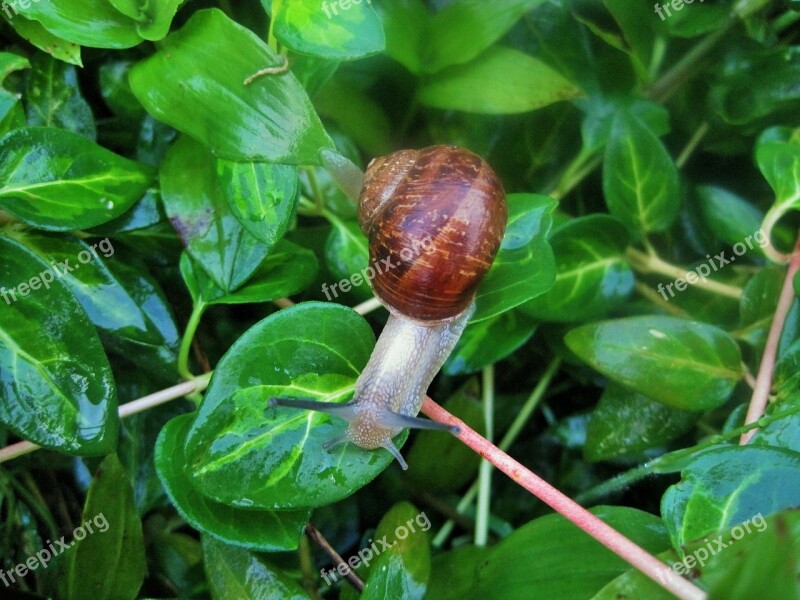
448	201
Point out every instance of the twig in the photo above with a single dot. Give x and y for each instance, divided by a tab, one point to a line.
633	554
758	401
197	384
368	306
315	535
485	473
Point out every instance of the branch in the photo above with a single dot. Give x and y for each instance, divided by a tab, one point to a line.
633	554
197	384
758	401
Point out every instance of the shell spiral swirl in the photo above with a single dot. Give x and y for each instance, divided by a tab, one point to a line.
435	219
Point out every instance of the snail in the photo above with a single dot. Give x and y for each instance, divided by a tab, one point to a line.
450	200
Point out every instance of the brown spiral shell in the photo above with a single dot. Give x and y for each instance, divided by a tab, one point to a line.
437	216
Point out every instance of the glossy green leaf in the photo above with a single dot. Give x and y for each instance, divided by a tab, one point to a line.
261	196
453	573
489	341
764	563
332	30
271	119
633	584
625	422
278	530
403	570
501	81
125	304
601	112
8	64
757	305
49	350
347	253
57	180
725	486
234	574
405	24
195	203
53	98
640	181
778	158
592	276
153	19
787	373
431	449
524	267
635	20
569	565
110	561
243	453
731	218
36	34
683	364
92	23
287	270
116	90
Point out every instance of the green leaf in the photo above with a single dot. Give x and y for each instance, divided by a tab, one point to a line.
49	350
57	180
271	119
116	90
261	196
601	112
640	181
524	267
279	530
403	570
431	449
757	305
245	454
195	203
111	561
405	24
570	565
592	276
778	158
730	217
8	64
683	364
633	584
763	565
500	81
625	422
92	23
36	34
53	98
287	270
335	30
234	574
463	29
125	304
725	486
489	341
347	253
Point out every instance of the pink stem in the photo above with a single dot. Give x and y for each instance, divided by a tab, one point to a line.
635	555
758	401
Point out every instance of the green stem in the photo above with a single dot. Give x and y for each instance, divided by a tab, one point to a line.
485	473
651	263
188	336
692	145
651	468
508	439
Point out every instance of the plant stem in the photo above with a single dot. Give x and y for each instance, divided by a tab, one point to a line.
633	554
692	145
508	439
197	384
485	472
766	371
646	263
656	299
652	467
186	343
307	567
336	558
368	306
